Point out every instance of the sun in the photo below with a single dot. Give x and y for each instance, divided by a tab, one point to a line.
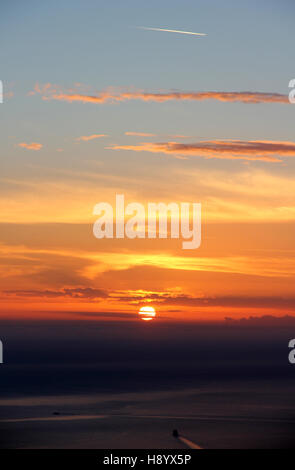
147	313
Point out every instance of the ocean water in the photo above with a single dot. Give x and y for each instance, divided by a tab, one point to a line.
216	416
124	387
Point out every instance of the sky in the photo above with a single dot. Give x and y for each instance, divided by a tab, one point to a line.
96	105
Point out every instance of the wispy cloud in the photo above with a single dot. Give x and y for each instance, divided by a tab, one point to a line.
139	134
164	298
9	94
72	266
53	92
267	151
33	146
190	33
77	293
87	138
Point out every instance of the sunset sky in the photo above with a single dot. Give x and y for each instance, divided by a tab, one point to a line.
95	105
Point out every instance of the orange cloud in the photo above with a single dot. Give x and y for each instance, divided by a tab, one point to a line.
87	138
33	146
267	151
77	293
172	298
53	92
139	134
163	298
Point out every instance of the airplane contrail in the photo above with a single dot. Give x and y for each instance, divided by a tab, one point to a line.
172	31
